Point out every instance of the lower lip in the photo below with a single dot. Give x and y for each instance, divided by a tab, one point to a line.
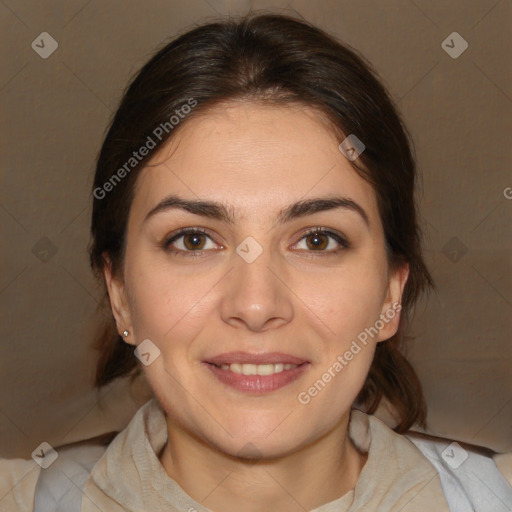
257	384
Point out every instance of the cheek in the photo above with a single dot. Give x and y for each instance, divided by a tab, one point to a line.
349	301
170	304
345	300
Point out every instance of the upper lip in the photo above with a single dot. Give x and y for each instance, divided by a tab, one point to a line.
248	358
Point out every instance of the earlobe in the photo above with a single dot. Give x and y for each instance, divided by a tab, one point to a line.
118	300
392	307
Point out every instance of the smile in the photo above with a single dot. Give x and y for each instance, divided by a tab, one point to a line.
256	379
257	369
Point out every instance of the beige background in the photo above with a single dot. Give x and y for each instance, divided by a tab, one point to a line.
54	114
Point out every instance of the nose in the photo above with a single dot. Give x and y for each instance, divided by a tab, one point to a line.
256	295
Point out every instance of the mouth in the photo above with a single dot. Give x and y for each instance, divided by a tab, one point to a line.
256	373
257	369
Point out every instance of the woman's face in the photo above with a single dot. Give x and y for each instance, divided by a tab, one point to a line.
252	288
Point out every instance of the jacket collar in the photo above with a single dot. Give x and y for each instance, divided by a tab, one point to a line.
130	477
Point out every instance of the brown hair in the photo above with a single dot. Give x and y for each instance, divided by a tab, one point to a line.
278	59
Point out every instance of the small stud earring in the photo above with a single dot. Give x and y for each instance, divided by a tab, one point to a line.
125	333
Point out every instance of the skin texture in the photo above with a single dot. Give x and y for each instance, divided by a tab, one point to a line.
295	298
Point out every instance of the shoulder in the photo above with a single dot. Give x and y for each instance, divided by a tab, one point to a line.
469	475
18	478
25	486
59	487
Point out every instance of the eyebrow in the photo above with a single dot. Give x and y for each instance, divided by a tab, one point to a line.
218	211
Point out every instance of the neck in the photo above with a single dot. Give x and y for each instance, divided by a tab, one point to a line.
311	476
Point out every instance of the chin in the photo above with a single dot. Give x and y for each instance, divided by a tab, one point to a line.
254	450
267	440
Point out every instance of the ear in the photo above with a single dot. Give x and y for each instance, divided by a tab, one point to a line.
118	301
390	313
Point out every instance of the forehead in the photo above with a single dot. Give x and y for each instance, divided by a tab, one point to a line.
252	157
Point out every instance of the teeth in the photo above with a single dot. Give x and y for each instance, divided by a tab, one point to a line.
258	369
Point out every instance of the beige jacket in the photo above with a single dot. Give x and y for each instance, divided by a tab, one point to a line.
129	476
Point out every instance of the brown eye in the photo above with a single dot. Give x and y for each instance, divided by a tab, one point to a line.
189	240
321	240
194	241
317	241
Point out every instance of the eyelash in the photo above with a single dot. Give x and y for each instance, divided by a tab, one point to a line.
340	239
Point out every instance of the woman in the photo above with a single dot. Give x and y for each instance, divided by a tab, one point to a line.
254	224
